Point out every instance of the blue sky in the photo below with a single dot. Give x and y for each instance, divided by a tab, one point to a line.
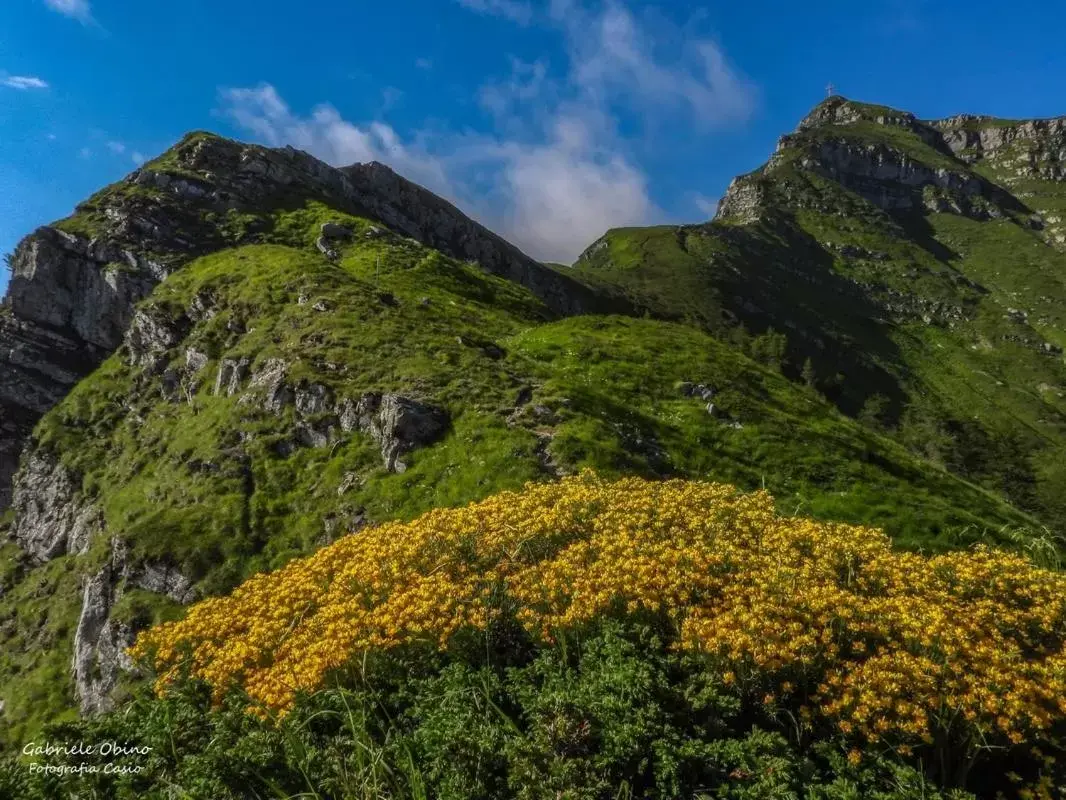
550	120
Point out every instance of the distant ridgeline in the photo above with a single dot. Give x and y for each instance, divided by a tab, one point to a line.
238	354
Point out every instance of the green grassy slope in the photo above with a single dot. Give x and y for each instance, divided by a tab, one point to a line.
944	300
212	484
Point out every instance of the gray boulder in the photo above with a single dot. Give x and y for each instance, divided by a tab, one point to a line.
332	230
152	333
231	374
398	424
195	360
269	381
313	399
323	245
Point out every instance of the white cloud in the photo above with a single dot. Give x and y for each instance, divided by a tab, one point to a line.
527	82
558	168
137	158
75	9
424	63
85	152
23	82
514	10
614	61
708	206
327	135
565	193
116	147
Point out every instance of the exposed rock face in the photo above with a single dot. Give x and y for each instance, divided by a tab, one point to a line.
68	304
86	288
151	334
195	360
398	424
742	202
11	437
269	381
99	645
1032	149
313	399
231	374
886	177
51	519
100	641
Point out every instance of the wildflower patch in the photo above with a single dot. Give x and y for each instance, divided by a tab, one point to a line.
963	650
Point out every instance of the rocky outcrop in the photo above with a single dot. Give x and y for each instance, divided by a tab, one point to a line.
744	201
398	424
1027	149
312	399
100	640
85	288
268	384
901	179
69	302
51	517
886	177
839	111
330	236
99	645
231	374
12	435
151	334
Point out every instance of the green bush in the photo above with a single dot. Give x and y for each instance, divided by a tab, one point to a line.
613	712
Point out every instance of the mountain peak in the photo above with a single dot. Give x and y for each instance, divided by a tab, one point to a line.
839	110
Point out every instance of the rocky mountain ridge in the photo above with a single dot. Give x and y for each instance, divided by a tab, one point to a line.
73	288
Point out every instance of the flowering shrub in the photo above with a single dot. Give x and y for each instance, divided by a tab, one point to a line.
955	653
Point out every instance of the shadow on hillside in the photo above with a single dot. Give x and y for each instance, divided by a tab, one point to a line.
917	228
827	318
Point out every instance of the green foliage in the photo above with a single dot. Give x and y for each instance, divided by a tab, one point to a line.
920	430
873	411
613	713
770	348
199	481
